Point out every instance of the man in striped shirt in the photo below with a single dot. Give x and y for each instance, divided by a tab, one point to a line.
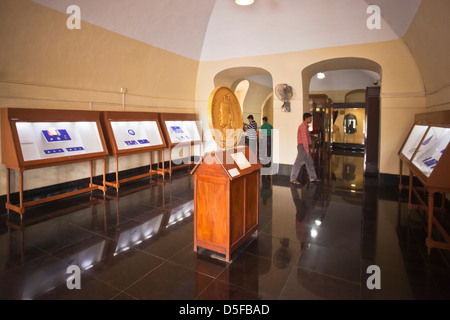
252	136
303	152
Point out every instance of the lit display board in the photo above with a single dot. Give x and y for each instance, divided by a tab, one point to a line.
182	131
136	134
44	140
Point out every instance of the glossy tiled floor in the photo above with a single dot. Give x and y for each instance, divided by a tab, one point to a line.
314	242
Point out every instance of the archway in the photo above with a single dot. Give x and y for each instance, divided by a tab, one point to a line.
253	97
372	106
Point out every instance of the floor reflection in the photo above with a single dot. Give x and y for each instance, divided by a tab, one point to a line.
314	241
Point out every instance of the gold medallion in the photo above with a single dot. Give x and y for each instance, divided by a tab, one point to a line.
225	117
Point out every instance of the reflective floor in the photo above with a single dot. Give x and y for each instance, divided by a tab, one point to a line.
315	241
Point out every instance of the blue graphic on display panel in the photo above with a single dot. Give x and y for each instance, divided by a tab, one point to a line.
143	141
426	141
55	135
430	162
74	149
52	151
177	129
131	143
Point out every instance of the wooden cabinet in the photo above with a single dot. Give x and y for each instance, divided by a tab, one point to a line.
38	138
180	130
129	133
226	200
426	153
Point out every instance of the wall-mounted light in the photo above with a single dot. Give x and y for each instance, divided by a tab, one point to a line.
244	2
320	75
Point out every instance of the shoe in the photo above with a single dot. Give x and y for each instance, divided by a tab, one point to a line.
315	181
295	182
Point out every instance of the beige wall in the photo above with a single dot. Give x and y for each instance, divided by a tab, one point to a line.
402	90
43	64
427	38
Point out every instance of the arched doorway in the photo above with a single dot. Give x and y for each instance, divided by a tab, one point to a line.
369	109
252	86
254	89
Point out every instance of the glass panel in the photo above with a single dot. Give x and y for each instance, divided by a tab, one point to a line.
183	131
136	134
413	140
431	149
348	125
337	127
46	140
353	125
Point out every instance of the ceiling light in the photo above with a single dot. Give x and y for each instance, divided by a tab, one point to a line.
320	75
244	2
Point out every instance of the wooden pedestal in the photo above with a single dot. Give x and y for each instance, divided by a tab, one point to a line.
225	202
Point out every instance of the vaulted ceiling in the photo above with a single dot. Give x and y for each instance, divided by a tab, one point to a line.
219	29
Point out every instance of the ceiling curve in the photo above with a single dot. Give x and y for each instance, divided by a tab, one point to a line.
207	30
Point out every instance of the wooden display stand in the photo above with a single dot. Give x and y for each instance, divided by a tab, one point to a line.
165	119
123	140
39	138
436	181
226	200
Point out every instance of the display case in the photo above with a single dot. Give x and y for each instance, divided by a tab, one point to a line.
426	153
38	138
129	133
180	130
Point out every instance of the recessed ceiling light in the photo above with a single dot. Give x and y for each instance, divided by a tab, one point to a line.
321	75
244	2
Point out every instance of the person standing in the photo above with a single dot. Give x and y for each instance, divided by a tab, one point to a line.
303	152
251	139
266	141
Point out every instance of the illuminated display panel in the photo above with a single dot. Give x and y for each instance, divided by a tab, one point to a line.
45	140
182	131
431	149
413	140
136	134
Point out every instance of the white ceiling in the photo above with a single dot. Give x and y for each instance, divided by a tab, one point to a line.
219	29
348	79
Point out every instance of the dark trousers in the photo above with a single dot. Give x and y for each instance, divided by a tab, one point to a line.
265	149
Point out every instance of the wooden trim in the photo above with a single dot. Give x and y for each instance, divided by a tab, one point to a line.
433	118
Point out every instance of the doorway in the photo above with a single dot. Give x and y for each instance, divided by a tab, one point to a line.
348	128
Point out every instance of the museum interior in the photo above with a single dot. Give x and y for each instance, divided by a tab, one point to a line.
116	181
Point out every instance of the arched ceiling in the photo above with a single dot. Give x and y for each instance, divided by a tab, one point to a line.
219	29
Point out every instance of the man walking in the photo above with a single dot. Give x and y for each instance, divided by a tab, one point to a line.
303	152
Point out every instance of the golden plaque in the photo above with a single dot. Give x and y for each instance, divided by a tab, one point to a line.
225	117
